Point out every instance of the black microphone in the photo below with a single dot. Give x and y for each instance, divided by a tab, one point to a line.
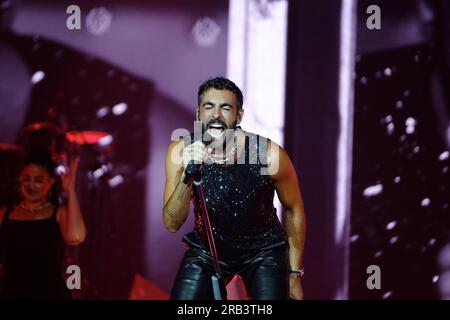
193	169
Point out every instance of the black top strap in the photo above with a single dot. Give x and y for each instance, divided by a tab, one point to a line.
9	209
55	210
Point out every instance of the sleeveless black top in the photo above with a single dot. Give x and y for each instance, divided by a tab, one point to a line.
32	253
240	206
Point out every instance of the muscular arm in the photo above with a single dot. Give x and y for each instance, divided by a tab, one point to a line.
176	194
288	191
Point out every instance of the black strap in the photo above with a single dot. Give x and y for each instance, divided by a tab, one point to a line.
55	210
2	227
9	209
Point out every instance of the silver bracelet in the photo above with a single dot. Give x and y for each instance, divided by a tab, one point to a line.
297	272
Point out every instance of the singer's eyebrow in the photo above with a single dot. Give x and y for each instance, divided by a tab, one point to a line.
225	104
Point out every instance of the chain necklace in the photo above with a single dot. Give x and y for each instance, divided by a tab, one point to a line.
227	156
41	207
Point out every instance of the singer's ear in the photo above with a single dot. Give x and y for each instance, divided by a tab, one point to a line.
239	115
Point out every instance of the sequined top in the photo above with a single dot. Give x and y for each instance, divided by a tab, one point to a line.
240	205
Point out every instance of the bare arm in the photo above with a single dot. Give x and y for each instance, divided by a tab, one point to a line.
176	193
288	190
70	218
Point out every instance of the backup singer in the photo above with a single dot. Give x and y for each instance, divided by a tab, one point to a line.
33	231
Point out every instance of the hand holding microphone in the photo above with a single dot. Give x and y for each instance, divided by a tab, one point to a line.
193	156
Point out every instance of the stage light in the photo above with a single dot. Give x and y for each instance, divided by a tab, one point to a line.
120	108
391	225
37	77
98	20
206	32
103	111
410	125
378	254
444	156
388	72
373	190
387	295
399	104
60	170
115	181
106	140
425	202
363	80
393	239
390	128
387	119
97	174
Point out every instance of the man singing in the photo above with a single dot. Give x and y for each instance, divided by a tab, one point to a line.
240	172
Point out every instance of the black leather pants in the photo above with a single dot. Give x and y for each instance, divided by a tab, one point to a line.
265	275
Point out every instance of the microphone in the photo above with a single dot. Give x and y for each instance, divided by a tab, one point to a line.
193	169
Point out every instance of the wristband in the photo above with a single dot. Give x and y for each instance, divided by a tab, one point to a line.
297	272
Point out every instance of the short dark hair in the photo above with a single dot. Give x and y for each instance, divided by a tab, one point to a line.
221	83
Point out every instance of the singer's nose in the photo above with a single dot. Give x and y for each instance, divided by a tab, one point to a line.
216	112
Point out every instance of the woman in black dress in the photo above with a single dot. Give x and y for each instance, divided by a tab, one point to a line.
33	231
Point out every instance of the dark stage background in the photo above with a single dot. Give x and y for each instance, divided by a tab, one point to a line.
401	188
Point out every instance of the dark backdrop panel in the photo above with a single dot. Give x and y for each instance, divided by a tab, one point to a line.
400	192
397	145
311	131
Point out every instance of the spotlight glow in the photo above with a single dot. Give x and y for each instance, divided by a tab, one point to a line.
37	77
120	108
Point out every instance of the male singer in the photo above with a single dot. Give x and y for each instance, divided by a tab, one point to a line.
240	172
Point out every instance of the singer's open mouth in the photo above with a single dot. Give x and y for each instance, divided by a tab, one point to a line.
215	130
